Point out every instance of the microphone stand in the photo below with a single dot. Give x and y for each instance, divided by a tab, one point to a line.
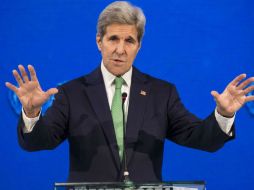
126	180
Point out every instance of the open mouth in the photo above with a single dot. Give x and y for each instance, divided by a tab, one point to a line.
118	61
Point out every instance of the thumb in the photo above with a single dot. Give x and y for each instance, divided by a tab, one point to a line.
51	91
215	95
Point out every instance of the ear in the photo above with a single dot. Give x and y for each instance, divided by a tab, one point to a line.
99	42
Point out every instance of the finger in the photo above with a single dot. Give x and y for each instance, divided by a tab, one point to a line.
17	77
245	83
215	94
249	98
238	79
11	87
32	73
23	73
52	91
249	89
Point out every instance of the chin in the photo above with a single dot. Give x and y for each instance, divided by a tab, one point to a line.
118	71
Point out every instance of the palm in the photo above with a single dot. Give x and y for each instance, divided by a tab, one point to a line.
231	100
234	96
31	95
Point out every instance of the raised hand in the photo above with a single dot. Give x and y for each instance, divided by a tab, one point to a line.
29	91
234	96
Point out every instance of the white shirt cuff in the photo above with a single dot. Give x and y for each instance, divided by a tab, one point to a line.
29	122
225	123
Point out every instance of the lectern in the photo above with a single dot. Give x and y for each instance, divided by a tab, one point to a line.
173	185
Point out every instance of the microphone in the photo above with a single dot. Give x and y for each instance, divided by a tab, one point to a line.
124	96
125	173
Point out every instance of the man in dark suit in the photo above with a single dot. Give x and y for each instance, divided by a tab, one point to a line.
86	110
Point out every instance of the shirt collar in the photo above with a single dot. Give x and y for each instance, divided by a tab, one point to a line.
109	77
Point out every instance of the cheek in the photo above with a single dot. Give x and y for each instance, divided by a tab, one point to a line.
133	54
107	51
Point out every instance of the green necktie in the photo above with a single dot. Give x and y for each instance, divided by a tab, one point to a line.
117	114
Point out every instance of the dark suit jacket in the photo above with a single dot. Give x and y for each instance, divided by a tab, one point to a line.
81	114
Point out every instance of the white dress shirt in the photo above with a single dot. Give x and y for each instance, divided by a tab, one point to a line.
224	123
110	86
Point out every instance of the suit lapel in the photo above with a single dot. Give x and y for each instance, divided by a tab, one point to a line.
139	95
97	95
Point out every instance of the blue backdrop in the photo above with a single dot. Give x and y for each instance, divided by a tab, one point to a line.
199	45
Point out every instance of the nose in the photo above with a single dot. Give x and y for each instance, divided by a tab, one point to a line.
120	48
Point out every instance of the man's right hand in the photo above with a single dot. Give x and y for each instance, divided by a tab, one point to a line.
29	91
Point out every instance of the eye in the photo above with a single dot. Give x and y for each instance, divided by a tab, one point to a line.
113	38
130	40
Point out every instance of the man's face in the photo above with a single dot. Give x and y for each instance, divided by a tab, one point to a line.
119	47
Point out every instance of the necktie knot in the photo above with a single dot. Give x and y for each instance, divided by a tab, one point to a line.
118	82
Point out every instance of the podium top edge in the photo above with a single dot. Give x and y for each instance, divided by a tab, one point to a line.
121	183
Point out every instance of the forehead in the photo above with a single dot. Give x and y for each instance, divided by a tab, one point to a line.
122	30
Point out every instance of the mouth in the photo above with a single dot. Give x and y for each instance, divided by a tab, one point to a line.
118	61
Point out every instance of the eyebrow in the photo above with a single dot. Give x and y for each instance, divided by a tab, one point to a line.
113	36
117	37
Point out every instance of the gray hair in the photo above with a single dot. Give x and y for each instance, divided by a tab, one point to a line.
121	12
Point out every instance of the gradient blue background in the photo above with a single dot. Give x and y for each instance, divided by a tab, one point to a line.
199	45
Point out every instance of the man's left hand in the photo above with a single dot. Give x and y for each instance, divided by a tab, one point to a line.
234	96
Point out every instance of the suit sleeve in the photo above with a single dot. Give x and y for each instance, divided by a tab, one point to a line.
50	130
188	130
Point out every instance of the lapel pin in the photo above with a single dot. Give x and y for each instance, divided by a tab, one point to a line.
143	93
